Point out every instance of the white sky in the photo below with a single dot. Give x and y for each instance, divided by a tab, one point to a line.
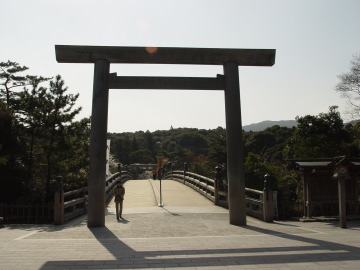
314	41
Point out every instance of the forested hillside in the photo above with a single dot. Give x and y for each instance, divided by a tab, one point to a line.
201	149
321	136
266	124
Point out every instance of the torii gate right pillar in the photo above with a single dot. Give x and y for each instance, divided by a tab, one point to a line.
234	146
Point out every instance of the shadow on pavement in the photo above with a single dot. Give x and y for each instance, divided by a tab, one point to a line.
313	250
171	213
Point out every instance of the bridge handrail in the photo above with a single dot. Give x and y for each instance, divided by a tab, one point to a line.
74	203
75	191
255	191
203	185
255	204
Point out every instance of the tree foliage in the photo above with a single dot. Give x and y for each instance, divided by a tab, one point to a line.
202	149
12	152
321	136
41	138
10	79
268	144
349	87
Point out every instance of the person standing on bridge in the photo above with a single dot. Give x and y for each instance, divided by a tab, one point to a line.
119	192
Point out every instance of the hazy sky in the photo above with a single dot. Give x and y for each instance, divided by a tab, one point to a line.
314	41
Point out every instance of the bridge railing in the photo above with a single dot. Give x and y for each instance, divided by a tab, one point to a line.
258	203
73	203
201	184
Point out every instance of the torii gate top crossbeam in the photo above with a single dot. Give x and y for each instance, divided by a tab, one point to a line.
164	55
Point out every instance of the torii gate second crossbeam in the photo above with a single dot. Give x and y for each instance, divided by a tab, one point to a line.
230	59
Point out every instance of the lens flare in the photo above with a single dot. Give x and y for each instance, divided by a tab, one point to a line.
151	50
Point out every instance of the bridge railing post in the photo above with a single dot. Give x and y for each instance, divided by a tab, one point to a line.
85	197
119	169
268	211
217	183
59	202
185	170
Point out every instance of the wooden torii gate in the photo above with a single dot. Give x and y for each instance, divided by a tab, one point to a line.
230	59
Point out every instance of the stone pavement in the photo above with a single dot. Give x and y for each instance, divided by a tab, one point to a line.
179	236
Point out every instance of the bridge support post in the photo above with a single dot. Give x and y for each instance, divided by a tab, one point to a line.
185	170
217	184
234	146
268	206
98	145
59	202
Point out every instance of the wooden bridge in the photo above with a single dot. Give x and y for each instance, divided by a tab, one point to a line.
177	189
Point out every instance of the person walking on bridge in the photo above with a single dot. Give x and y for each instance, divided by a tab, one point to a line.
119	192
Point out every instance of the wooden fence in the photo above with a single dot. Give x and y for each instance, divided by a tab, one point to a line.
257	203
26	213
65	207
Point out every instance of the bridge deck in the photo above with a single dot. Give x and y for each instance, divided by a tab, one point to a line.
144	196
178	237
138	193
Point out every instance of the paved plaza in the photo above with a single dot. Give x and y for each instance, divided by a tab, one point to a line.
189	232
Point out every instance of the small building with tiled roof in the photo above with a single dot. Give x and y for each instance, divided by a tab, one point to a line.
321	185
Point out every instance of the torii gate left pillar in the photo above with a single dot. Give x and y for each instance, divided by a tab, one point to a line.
102	56
99	119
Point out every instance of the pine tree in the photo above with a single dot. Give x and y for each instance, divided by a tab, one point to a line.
60	113
10	79
30	112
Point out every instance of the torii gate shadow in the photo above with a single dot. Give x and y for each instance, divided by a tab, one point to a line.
127	257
